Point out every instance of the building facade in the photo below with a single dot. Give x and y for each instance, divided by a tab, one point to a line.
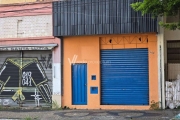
20	1
169	46
110	55
29	56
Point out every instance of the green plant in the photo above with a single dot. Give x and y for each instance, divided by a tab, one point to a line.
154	105
160	8
66	107
55	106
8	108
46	108
1	108
29	118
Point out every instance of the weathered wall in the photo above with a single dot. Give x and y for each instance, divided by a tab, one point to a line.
26	26
29	20
35	9
20	1
87	48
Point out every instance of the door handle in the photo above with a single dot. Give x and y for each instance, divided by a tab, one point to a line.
85	84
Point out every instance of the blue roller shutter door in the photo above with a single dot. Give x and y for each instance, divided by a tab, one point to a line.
124	77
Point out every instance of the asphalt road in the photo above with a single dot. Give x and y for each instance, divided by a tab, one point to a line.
88	115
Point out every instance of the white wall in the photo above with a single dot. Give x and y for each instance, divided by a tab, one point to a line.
26	26
161	78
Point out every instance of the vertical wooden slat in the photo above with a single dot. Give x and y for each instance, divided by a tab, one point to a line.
91	17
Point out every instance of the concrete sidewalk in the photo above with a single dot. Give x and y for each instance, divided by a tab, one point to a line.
88	115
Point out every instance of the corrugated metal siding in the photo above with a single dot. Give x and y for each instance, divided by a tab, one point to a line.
124	77
88	17
79	84
37	68
26	26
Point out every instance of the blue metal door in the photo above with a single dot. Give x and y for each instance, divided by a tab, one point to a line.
124	77
79	84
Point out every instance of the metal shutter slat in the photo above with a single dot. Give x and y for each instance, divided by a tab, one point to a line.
124	77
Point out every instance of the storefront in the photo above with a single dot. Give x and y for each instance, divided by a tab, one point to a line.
110	71
110	57
30	73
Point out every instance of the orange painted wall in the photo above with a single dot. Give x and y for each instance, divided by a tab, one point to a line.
87	49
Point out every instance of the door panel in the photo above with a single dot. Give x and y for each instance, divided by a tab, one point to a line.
79	84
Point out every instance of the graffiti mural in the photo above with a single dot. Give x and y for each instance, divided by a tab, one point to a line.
24	80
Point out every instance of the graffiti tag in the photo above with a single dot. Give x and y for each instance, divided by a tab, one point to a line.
19	86
5	101
36	97
46	61
26	78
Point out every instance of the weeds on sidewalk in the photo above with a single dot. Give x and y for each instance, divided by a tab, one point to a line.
30	118
154	105
55	106
8	108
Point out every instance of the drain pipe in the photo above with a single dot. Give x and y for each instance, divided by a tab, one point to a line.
161	77
62	64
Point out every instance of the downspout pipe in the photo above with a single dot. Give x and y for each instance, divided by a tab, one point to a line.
161	77
62	64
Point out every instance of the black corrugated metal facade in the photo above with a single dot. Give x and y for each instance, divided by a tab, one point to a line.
89	17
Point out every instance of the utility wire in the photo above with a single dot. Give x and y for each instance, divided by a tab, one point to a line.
97	1
74	12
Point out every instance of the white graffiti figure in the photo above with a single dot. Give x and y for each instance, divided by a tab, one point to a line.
26	78
36	98
6	102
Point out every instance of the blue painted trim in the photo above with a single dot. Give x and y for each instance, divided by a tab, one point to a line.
93	77
94	90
